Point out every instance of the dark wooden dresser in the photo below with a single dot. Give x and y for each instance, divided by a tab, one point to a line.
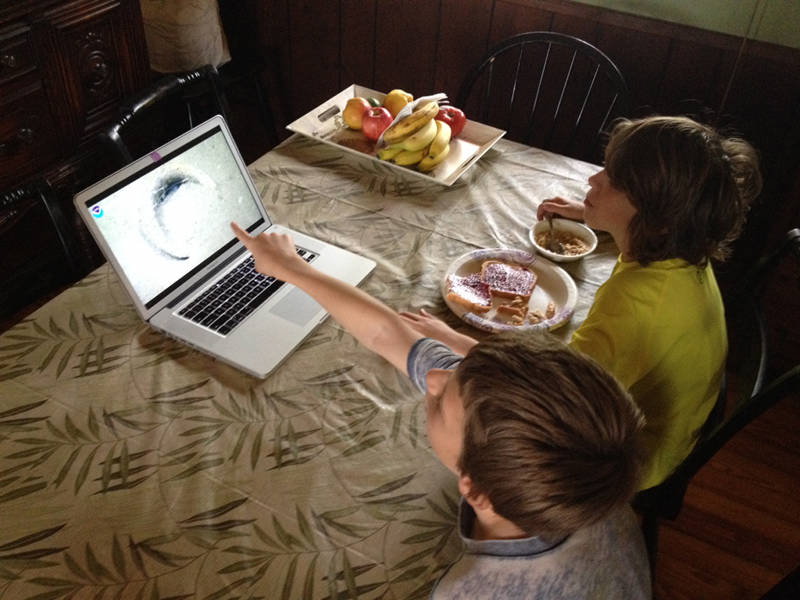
64	67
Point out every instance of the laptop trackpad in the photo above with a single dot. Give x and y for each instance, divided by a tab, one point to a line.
297	307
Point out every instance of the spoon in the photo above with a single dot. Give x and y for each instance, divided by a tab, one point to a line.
552	244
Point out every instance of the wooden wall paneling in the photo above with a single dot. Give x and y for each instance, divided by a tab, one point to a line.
694	79
762	107
270	24
580	27
463	41
271	19
511	18
358	43
406	45
765	112
642	59
314	30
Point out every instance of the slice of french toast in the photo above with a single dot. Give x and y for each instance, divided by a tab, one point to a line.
470	292
508	280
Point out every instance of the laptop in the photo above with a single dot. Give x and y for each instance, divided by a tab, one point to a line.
163	223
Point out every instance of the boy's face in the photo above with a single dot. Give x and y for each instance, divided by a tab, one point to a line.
445	416
607	208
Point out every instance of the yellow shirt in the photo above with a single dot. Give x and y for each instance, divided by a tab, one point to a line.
660	330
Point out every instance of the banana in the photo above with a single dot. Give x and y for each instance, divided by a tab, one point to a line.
411	124
389	152
422	138
428	163
409	157
441	140
439	148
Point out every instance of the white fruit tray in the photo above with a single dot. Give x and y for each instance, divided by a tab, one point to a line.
325	124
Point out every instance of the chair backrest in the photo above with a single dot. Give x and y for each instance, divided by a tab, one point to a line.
753	393
549	90
38	248
169	106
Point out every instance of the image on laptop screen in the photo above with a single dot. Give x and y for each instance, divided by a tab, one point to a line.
166	221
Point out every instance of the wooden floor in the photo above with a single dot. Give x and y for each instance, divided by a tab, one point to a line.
739	531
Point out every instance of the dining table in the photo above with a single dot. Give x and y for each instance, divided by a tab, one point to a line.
134	467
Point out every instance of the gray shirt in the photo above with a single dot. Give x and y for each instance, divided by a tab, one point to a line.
605	560
427	354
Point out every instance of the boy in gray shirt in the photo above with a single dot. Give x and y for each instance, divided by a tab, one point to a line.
554	427
543	441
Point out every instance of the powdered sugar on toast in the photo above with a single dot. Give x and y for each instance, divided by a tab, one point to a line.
469	291
508	280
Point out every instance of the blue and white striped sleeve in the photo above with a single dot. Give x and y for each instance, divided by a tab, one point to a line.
427	354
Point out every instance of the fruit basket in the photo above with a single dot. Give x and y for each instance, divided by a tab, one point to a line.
325	124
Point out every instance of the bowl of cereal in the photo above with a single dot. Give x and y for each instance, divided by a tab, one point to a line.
568	241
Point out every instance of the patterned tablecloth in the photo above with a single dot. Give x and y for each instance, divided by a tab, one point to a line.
134	467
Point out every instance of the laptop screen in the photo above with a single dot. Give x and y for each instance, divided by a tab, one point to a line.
173	217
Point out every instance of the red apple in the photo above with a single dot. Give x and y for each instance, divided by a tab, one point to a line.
454	117
375	121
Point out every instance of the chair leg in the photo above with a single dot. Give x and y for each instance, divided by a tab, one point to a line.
786	589
650	532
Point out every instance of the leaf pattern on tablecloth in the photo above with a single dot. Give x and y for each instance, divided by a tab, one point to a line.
134	467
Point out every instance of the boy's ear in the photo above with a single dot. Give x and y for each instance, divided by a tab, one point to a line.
477	499
436	380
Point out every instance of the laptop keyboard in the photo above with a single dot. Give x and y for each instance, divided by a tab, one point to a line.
231	299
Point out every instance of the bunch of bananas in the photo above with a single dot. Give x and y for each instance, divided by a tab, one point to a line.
418	139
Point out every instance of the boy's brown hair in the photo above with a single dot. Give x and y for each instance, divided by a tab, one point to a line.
691	187
550	436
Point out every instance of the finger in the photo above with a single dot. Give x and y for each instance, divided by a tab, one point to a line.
240	233
409	316
425	313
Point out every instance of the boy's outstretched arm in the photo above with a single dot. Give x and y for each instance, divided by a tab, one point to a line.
371	322
427	325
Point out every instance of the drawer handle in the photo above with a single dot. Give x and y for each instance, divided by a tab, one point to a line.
24	135
8	60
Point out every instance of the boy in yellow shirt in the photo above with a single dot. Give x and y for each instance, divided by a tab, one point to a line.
674	194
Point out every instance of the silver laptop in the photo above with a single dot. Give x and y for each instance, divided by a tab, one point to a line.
163	222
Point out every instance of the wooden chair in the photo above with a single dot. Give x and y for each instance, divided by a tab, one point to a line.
38	247
549	90
753	393
169	106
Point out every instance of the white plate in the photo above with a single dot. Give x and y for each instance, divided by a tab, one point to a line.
325	124
553	285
